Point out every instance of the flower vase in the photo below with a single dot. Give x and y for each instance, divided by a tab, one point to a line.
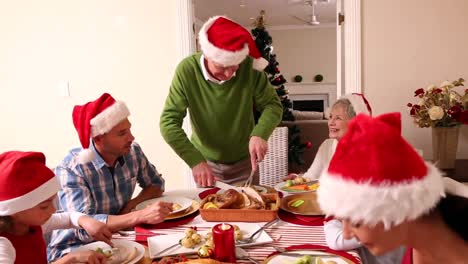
444	146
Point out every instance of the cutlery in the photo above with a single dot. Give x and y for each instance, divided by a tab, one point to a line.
242	254
167	249
133	233
225	186
284	252
251	237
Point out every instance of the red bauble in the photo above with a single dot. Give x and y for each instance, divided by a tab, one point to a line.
308	144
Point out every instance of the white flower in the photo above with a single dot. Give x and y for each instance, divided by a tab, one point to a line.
436	113
430	87
422	102
445	83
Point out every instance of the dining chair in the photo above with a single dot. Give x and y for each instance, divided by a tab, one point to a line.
274	166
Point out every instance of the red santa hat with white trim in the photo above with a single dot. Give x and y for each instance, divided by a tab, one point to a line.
359	103
25	181
228	43
96	118
375	176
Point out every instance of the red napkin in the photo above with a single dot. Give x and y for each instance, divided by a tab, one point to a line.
205	193
143	235
321	248
301	219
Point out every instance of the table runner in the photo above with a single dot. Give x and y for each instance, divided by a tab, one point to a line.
284	235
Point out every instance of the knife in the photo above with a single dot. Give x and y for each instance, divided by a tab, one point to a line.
293	254
225	186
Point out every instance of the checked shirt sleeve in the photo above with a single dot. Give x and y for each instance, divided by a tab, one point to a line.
76	197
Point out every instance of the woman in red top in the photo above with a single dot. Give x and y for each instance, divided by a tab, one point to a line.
27	191
387	196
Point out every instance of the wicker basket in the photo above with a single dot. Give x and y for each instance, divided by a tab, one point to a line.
242	215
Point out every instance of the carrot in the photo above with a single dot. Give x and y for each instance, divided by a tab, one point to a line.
299	187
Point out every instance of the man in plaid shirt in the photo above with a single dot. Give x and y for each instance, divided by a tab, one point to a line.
99	178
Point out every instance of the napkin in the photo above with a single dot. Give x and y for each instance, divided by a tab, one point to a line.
205	193
304	220
143	234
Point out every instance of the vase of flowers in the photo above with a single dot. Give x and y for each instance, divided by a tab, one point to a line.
444	109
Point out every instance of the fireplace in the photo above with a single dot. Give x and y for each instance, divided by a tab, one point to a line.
316	97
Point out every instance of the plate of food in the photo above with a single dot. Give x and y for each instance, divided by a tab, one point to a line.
306	256
299	184
191	240
179	203
301	204
123	252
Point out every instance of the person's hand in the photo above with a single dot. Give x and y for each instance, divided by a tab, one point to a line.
203	175
90	256
291	176
257	148
155	213
96	229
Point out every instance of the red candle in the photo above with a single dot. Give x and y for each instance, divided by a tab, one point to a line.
224	243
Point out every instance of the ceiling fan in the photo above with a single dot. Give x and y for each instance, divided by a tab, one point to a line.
312	21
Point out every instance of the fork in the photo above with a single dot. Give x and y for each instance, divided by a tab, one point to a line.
248	182
251	237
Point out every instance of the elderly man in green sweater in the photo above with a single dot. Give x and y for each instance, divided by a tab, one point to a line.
220	87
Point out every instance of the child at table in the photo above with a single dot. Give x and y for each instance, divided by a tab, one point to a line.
27	191
334	237
388	197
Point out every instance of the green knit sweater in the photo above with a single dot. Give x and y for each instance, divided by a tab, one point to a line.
221	115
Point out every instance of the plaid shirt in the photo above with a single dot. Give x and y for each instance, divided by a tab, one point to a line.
92	189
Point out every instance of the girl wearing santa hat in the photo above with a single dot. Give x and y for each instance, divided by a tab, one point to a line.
27	191
387	196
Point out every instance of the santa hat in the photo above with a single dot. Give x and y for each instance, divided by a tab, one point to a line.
376	176
25	181
359	103
228	43
96	118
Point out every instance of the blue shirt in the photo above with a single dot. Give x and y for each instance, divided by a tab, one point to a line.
92	189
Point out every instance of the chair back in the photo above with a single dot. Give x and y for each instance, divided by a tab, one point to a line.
275	165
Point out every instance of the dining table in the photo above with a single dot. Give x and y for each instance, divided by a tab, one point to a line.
283	234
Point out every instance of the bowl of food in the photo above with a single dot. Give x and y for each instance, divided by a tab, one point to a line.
242	205
299	184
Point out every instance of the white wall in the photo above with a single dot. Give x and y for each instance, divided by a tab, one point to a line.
306	52
408	45
123	47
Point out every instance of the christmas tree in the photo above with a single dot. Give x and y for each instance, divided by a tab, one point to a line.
264	42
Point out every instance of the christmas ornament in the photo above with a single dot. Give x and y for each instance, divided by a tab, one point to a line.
205	252
318	78
308	144
298	78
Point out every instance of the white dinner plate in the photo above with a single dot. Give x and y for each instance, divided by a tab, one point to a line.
158	243
125	246
284	259
279	187
184	202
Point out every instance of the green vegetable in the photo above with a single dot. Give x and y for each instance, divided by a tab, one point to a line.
289	183
297	203
107	253
304	260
